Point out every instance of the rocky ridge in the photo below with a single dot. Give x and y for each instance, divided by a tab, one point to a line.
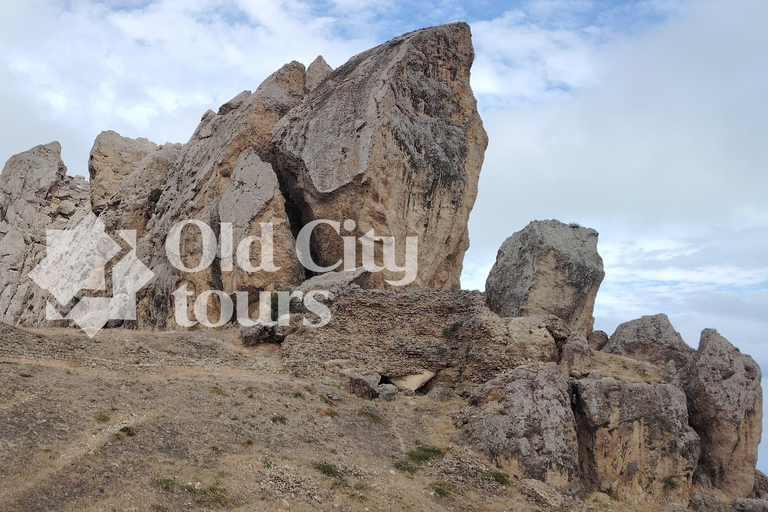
392	140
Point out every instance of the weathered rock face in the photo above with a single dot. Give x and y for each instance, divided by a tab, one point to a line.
316	72
134	202
634	440
35	195
391	139
113	158
725	401
651	339
547	268
397	335
525	418
219	177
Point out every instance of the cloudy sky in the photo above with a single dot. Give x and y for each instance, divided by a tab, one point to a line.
645	119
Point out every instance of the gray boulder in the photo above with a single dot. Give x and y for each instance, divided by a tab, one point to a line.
725	400
525	418
547	268
651	339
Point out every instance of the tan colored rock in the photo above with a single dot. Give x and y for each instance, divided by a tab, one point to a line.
651	339
316	72
113	158
413	381
547	268
392	140
35	195
219	177
634	440
134	203
725	400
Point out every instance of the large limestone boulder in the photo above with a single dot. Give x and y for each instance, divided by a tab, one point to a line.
524	418
392	140
547	268
113	158
634	440
725	401
651	339
35	195
220	176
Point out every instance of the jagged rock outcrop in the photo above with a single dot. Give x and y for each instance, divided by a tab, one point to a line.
35	195
220	177
725	402
316	72
113	158
525	418
134	202
634	440
547	268
651	339
392	140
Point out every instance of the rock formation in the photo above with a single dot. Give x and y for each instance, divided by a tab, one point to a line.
113	158
651	339
220	177
634	440
35	195
392	140
547	268
525	417
725	401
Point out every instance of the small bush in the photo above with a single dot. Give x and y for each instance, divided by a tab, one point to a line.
500	477
211	495
154	196
329	470
298	394
406	466
279	419
670	483
450	332
102	417
167	484
444	489
128	431
267	463
331	413
372	417
158	508
217	390
424	454
574	225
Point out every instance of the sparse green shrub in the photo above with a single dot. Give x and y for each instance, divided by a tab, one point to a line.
372	417
298	394
279	419
444	489
574	225
329	470
267	463
158	508
217	390
102	417
128	431
424	454
406	466
500	477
